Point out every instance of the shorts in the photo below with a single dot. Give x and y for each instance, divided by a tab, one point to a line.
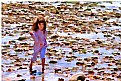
42	54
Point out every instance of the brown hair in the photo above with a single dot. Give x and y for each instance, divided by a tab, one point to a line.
39	19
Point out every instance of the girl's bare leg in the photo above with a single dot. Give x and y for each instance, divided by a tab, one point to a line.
43	64
42	54
33	59
30	66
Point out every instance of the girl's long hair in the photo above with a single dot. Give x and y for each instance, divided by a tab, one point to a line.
39	19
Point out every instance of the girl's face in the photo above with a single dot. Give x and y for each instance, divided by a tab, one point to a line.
41	26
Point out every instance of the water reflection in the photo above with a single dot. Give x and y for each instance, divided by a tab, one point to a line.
43	77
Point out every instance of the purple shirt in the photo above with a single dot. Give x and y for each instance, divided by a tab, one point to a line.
39	38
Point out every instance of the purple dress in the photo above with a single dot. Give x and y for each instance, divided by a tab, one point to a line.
39	38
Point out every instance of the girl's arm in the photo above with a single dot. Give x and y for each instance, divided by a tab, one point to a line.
45	34
33	36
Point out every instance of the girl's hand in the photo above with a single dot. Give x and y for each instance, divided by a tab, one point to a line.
40	44
35	20
30	33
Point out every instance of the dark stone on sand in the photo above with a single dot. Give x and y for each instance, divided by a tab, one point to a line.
115	69
18	60
88	65
105	19
18	64
107	36
99	42
91	72
54	43
34	71
96	77
79	63
56	70
22	80
96	51
52	62
19	50
93	64
54	37
19	75
6	46
4	52
21	38
74	56
60	79
68	60
23	68
80	78
9	70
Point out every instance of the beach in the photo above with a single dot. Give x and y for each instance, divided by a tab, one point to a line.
83	37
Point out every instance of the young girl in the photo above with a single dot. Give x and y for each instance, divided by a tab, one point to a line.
39	36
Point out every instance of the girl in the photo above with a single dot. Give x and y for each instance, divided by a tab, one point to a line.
39	36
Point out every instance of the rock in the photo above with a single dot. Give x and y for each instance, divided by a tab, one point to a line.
10	70
56	70
21	38
60	79
81	78
80	63
53	61
77	76
19	50
87	30
32	77
22	80
18	75
22	67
